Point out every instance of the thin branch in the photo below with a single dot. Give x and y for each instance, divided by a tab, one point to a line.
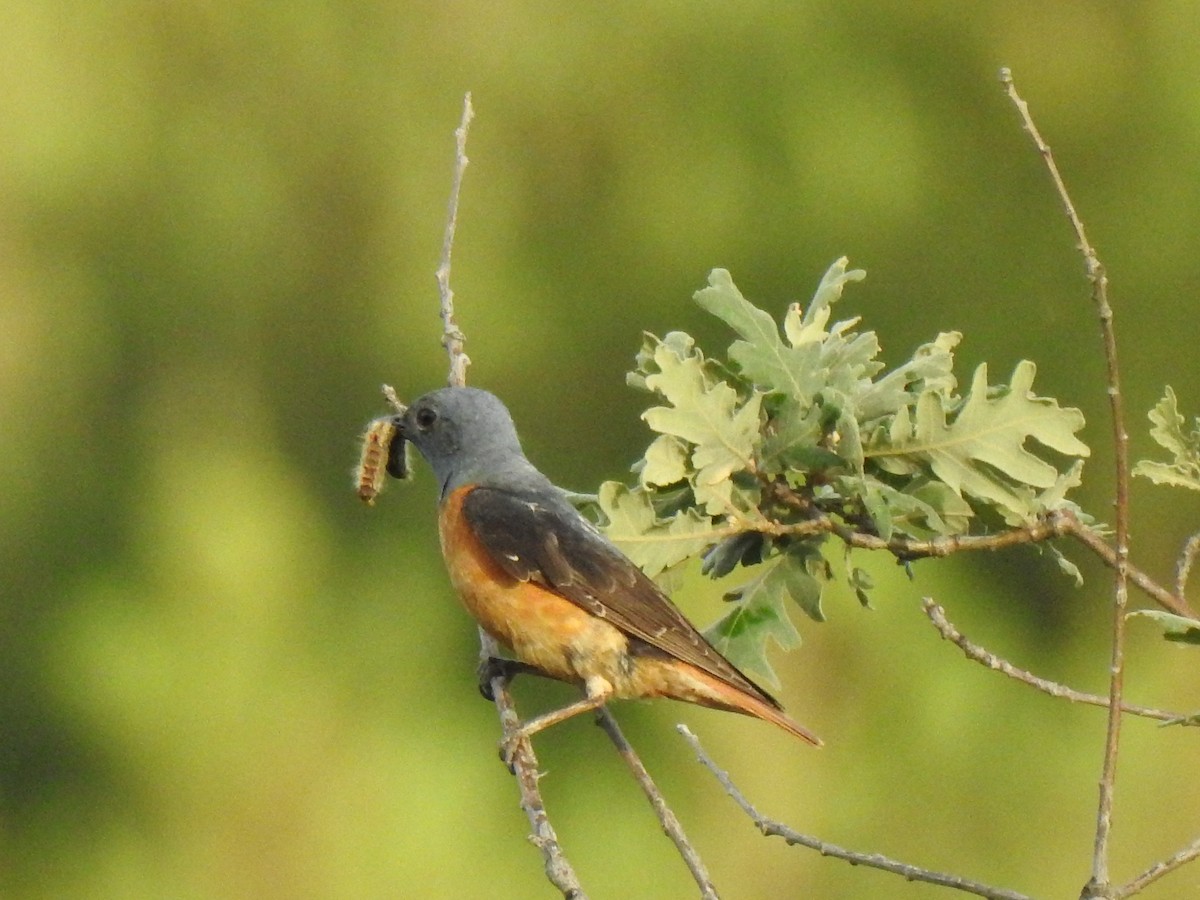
393	399
770	827
666	817
523	761
1099	281
1058	523
452	338
1159	869
973	651
1108	555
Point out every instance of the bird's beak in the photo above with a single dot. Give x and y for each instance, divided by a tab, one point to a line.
397	458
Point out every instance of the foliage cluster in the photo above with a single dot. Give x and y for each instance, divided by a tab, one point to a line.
800	433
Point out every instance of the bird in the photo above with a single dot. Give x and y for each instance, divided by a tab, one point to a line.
542	580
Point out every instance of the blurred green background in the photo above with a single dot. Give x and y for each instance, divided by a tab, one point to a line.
222	677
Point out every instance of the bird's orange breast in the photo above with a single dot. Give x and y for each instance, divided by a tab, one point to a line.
540	626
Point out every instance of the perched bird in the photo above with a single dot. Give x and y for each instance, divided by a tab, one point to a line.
544	582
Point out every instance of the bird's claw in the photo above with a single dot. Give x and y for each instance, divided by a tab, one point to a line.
510	746
497	667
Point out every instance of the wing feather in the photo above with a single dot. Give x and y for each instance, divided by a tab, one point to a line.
535	538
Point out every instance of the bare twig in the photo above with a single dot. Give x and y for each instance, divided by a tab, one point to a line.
937	615
874	860
666	817
558	868
1158	870
1099	281
389	394
524	763
452	337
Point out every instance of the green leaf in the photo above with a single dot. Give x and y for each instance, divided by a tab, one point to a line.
761	354
741	635
1175	628
923	509
1175	474
665	462
803	327
980	451
654	544
862	583
930	369
793	435
1065	566
746	548
761	611
802	587
1167	431
875	496
724	431
1168	426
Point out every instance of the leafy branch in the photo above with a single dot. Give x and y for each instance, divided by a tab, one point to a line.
800	433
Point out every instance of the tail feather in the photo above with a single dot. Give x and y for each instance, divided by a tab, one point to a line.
752	706
694	685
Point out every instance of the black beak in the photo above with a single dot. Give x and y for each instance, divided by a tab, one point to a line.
397	458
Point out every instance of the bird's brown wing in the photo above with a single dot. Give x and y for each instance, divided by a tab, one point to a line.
534	538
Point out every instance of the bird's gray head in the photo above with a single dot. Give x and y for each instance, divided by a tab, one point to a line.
467	437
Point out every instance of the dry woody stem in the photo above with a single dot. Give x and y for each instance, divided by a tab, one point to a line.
771	828
665	814
452	337
976	653
523	761
1100	886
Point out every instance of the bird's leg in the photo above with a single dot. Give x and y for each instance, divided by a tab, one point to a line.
498	667
598	691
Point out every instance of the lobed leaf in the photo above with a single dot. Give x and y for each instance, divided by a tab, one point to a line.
980	451
761	355
722	429
665	462
1167	430
759	616
654	543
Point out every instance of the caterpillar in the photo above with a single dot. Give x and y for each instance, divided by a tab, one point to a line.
384	453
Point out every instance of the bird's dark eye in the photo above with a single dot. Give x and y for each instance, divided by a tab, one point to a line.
425	418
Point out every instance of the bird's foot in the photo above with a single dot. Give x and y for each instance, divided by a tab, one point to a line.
510	746
497	667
